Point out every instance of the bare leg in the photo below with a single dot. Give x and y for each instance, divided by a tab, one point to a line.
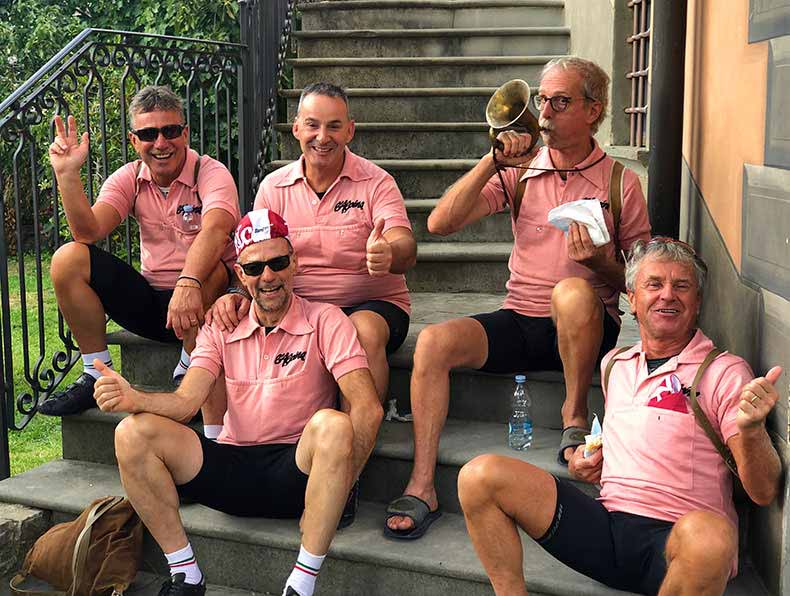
499	494
374	333
577	313
324	454
154	455
440	348
700	553
71	273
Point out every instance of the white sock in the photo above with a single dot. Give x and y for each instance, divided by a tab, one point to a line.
183	561
183	364
305	572
211	431
87	362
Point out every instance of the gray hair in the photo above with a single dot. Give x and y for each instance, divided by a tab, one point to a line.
664	249
155	98
595	81
325	89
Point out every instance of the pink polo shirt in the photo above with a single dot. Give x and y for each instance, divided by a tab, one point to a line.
330	234
275	382
659	463
166	232
539	259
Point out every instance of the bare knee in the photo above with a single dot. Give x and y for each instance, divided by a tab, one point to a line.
704	539
331	433
575	298
435	346
134	437
478	481
70	262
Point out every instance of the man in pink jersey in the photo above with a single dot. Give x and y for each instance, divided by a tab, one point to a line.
561	311
186	206
665	522
284	451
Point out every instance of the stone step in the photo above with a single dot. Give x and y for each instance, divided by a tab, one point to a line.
494	228
407	140
410	104
471	71
418	14
257	554
451	267
379	43
417	178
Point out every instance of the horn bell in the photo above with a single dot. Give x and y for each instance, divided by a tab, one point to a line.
508	109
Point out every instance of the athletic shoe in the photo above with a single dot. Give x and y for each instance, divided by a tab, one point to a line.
175	586
291	592
350	510
76	398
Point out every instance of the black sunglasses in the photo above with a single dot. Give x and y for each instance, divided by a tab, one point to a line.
149	135
254	268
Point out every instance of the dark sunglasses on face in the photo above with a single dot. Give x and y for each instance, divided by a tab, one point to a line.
149	135
254	268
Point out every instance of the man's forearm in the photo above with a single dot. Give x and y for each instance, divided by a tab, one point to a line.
175	406
82	222
761	468
205	252
404	254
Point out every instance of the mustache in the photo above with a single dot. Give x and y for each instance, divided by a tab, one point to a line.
546	125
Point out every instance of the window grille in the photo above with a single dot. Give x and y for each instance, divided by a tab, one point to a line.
640	61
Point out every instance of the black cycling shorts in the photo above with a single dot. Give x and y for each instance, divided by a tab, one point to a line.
250	481
622	550
518	343
397	320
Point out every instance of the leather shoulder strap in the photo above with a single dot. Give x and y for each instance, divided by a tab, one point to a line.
521	188
84	539
195	178
616	202
608	370
136	183
703	421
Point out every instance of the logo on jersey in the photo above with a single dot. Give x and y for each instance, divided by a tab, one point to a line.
343	206
285	358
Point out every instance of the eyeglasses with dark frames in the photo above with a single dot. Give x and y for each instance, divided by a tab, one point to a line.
255	268
149	135
559	103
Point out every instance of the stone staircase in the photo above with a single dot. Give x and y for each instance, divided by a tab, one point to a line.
419	74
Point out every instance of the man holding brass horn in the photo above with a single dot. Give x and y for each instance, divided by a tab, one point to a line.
561	310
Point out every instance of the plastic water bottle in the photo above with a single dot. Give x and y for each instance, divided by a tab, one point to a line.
520	428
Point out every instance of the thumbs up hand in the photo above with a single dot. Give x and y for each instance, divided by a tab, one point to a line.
758	398
379	251
112	392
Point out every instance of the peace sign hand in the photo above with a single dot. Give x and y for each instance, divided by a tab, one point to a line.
67	152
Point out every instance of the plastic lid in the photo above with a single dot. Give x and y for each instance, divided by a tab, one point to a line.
521	379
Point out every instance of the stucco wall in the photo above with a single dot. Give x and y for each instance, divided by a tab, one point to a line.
724	124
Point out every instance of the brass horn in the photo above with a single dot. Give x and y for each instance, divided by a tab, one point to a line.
508	109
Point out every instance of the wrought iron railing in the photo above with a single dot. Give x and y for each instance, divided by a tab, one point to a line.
230	93
640	71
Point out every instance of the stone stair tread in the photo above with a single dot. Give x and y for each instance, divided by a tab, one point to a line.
438	32
69	486
464	251
404	91
456	4
422	61
409	126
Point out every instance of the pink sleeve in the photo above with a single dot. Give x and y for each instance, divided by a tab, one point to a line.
634	224
726	396
337	340
217	188
264	196
492	191
387	204
118	190
207	354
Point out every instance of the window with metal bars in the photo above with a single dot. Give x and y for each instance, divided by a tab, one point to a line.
640	67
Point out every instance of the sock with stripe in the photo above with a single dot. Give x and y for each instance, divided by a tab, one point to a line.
87	362
305	572
183	561
183	365
211	431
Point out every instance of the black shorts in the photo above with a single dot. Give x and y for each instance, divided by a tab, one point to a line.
518	343
621	550
253	481
397	320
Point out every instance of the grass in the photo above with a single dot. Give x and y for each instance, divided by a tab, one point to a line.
40	441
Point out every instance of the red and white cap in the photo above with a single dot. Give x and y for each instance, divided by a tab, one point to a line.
257	226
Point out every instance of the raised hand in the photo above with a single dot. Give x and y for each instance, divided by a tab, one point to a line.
586	469
67	152
185	309
515	148
581	248
112	392
758	397
379	251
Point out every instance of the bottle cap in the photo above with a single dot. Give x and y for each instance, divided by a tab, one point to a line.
521	378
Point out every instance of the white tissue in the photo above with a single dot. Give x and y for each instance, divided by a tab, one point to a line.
584	211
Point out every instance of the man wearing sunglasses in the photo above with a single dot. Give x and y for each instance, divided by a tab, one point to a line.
679	416
186	206
284	451
560	312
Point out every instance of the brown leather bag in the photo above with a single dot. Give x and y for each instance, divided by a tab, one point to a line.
96	554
